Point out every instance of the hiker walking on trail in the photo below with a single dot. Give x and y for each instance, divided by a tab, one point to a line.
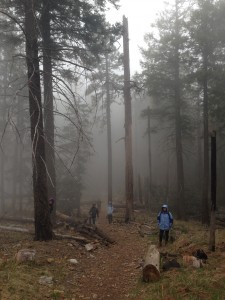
165	222
110	212
93	214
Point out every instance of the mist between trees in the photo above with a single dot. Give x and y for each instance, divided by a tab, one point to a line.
62	89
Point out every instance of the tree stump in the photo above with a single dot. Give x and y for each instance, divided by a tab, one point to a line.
151	265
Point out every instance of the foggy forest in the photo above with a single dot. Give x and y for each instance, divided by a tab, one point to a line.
79	130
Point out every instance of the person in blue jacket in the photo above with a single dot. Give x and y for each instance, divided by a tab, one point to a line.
165	222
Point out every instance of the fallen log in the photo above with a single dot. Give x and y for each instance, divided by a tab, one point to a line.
89	231
64	217
16	229
151	265
78	239
94	233
56	235
18	220
104	236
136	206
59	215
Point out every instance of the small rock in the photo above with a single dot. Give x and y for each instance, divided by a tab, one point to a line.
25	255
50	260
94	296
73	261
89	247
46	280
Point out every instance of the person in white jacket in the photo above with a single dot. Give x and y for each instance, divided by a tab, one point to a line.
110	212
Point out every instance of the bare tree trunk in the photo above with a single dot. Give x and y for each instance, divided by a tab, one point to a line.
79	184
178	129
109	134
128	125
48	104
146	193
17	159
149	155
15	174
20	181
2	159
199	147
43	226
212	238
205	208
167	176
140	189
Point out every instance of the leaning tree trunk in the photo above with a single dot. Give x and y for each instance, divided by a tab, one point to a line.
43	227
48	104
178	129
128	126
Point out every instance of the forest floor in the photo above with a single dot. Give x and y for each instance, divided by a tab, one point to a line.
110	272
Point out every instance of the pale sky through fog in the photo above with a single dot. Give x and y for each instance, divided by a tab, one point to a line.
141	14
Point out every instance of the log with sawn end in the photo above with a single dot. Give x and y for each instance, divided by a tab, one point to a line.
151	267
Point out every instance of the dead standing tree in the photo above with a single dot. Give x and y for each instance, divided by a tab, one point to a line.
128	125
43	227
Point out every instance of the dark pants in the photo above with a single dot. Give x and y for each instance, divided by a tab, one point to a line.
161	234
110	218
92	220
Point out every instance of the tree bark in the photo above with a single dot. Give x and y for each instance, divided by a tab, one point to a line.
2	159
140	195
178	129
48	104
128	126
205	208
109	134
149	155
43	226
199	148
212	238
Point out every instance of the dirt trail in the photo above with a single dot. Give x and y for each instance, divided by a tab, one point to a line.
112	272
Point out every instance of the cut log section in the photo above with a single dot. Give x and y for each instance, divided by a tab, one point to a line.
151	271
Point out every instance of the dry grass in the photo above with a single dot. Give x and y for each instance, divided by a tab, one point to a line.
20	282
187	283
